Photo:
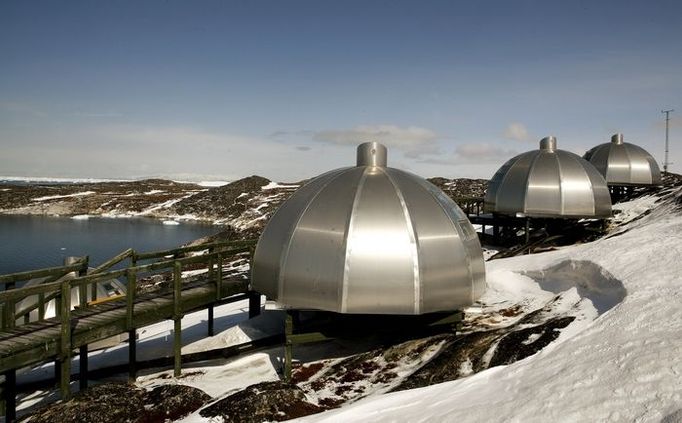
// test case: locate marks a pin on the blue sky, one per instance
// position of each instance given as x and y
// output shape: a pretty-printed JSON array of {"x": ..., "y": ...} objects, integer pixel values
[{"x": 286, "y": 89}]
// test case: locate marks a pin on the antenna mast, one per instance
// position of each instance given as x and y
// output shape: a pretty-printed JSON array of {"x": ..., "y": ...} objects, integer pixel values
[{"x": 667, "y": 125}]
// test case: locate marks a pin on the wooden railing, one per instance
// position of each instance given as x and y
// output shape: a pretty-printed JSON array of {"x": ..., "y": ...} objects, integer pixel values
[
  {"x": 52, "y": 287},
  {"x": 58, "y": 286}
]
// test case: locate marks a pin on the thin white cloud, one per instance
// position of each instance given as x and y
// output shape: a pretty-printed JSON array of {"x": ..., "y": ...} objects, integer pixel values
[
  {"x": 21, "y": 109},
  {"x": 517, "y": 131},
  {"x": 414, "y": 141},
  {"x": 473, "y": 153},
  {"x": 97, "y": 114}
]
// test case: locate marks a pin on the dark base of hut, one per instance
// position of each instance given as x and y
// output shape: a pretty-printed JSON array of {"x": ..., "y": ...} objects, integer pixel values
[
  {"x": 304, "y": 327},
  {"x": 517, "y": 235}
]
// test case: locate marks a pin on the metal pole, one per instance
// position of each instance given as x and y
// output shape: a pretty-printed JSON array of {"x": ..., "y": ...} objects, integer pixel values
[{"x": 667, "y": 126}]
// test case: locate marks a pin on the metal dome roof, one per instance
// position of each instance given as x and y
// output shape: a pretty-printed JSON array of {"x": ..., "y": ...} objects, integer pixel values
[
  {"x": 548, "y": 183},
  {"x": 622, "y": 163},
  {"x": 369, "y": 239}
]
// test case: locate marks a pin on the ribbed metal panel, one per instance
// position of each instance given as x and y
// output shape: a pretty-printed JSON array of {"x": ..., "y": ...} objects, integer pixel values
[
  {"x": 622, "y": 163},
  {"x": 370, "y": 240},
  {"x": 548, "y": 183}
]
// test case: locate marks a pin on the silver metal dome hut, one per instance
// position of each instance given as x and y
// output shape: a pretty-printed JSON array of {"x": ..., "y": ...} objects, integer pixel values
[
  {"x": 548, "y": 183},
  {"x": 622, "y": 163},
  {"x": 369, "y": 239}
]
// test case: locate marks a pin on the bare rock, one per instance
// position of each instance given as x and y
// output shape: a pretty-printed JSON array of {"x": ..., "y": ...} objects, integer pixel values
[
  {"x": 267, "y": 401},
  {"x": 122, "y": 402}
]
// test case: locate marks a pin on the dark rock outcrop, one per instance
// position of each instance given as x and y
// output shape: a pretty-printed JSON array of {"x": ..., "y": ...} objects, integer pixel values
[
  {"x": 267, "y": 401},
  {"x": 121, "y": 402}
]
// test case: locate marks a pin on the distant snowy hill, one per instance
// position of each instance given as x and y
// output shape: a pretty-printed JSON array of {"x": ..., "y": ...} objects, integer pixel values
[{"x": 244, "y": 205}]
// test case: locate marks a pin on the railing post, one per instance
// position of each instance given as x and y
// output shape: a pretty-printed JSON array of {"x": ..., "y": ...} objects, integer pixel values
[
  {"x": 65, "y": 350},
  {"x": 41, "y": 306},
  {"x": 210, "y": 264},
  {"x": 219, "y": 278},
  {"x": 177, "y": 318},
  {"x": 83, "y": 350},
  {"x": 131, "y": 290},
  {"x": 8, "y": 320}
]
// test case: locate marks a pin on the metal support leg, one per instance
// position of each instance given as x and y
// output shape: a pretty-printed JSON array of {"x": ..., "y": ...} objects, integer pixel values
[
  {"x": 83, "y": 368},
  {"x": 527, "y": 230},
  {"x": 132, "y": 355},
  {"x": 57, "y": 372},
  {"x": 10, "y": 395},
  {"x": 177, "y": 347},
  {"x": 254, "y": 304},
  {"x": 288, "y": 331},
  {"x": 211, "y": 331}
]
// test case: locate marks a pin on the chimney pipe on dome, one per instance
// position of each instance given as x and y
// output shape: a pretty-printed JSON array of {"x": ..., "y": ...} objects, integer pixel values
[
  {"x": 372, "y": 154},
  {"x": 617, "y": 138},
  {"x": 548, "y": 144}
]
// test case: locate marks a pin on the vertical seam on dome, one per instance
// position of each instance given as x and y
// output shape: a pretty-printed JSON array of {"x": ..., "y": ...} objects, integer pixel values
[
  {"x": 285, "y": 251},
  {"x": 349, "y": 233},
  {"x": 414, "y": 243},
  {"x": 528, "y": 175},
  {"x": 631, "y": 176},
  {"x": 462, "y": 238},
  {"x": 562, "y": 207},
  {"x": 576, "y": 159}
]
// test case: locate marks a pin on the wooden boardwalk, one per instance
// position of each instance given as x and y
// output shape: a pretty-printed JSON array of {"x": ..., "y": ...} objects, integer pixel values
[{"x": 56, "y": 338}]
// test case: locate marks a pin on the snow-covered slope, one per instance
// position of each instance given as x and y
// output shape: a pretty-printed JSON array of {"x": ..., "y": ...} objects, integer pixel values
[{"x": 626, "y": 365}]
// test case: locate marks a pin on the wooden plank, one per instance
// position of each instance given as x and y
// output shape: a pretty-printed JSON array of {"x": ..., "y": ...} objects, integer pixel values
[{"x": 106, "y": 300}]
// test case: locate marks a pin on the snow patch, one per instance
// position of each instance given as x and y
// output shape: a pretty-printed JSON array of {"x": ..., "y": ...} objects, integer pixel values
[
  {"x": 273, "y": 185},
  {"x": 54, "y": 197},
  {"x": 81, "y": 217}
]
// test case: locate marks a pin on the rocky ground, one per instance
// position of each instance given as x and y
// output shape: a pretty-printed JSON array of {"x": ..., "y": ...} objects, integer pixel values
[{"x": 122, "y": 402}]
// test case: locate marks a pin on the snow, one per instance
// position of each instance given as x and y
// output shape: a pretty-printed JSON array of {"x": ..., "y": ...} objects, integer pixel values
[
  {"x": 165, "y": 204},
  {"x": 54, "y": 197},
  {"x": 212, "y": 184},
  {"x": 273, "y": 185},
  {"x": 58, "y": 180},
  {"x": 154, "y": 191},
  {"x": 81, "y": 217}
]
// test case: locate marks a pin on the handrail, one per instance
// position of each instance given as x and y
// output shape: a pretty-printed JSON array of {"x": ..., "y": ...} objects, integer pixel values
[
  {"x": 199, "y": 247},
  {"x": 114, "y": 260},
  {"x": 41, "y": 273},
  {"x": 20, "y": 293}
]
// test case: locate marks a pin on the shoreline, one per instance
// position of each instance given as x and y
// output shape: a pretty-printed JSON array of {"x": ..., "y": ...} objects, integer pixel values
[{"x": 178, "y": 219}]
